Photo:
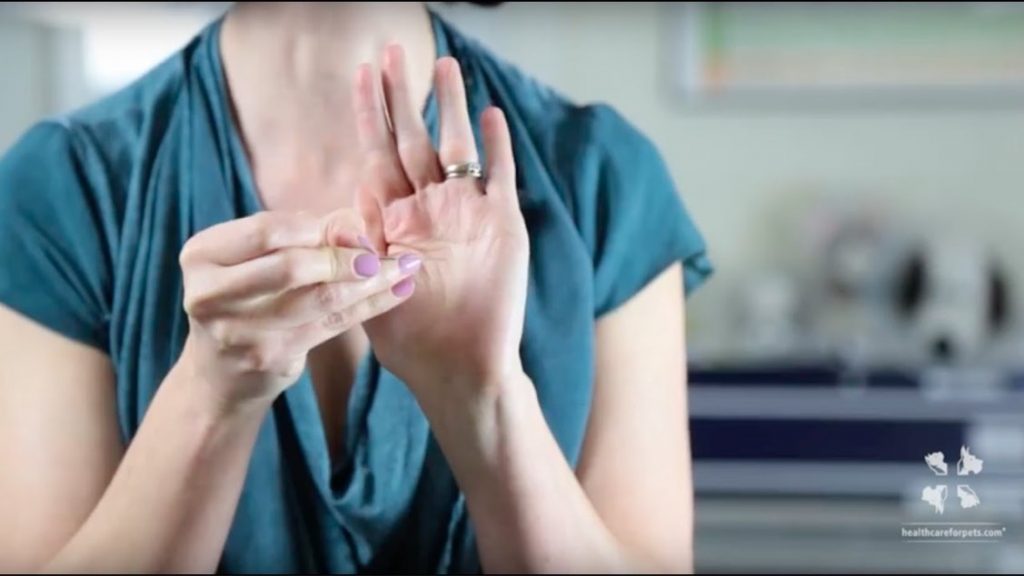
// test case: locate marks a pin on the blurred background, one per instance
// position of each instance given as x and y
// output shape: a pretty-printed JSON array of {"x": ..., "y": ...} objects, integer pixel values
[{"x": 858, "y": 172}]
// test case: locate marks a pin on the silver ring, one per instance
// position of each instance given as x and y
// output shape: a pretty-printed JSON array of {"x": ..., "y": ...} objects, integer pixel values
[{"x": 463, "y": 170}]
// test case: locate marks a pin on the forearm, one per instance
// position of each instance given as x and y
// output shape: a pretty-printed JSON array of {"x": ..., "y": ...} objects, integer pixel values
[
  {"x": 170, "y": 504},
  {"x": 528, "y": 509}
]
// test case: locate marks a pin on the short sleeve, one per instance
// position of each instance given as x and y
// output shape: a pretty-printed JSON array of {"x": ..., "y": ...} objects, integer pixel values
[
  {"x": 54, "y": 245},
  {"x": 630, "y": 212}
]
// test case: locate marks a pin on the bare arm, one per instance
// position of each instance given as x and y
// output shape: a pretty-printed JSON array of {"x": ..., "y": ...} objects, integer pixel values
[
  {"x": 456, "y": 345},
  {"x": 636, "y": 463},
  {"x": 169, "y": 503},
  {"x": 59, "y": 443},
  {"x": 630, "y": 507}
]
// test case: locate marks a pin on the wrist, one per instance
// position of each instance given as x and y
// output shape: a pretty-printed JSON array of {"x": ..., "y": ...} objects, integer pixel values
[
  {"x": 210, "y": 400},
  {"x": 476, "y": 429},
  {"x": 457, "y": 398}
]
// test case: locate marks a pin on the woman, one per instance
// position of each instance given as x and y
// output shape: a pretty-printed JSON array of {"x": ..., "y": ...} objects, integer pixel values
[{"x": 253, "y": 321}]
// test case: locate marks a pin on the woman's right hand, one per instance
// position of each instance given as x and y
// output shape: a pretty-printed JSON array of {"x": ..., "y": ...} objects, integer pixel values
[{"x": 261, "y": 292}]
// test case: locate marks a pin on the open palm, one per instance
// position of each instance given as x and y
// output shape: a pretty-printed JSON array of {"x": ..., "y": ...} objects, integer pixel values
[{"x": 464, "y": 322}]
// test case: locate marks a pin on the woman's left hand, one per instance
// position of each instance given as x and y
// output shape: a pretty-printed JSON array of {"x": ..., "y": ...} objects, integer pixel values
[{"x": 460, "y": 331}]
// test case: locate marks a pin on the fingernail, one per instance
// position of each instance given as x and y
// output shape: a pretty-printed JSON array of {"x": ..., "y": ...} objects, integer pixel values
[
  {"x": 366, "y": 265},
  {"x": 403, "y": 288},
  {"x": 409, "y": 262},
  {"x": 365, "y": 243}
]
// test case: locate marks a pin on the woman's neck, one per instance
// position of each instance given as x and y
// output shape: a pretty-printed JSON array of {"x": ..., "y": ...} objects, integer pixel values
[{"x": 289, "y": 69}]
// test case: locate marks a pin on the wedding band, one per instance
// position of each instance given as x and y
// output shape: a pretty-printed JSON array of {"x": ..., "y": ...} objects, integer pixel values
[{"x": 463, "y": 170}]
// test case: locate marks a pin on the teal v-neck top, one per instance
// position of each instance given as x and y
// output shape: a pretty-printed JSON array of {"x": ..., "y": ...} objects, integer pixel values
[{"x": 96, "y": 205}]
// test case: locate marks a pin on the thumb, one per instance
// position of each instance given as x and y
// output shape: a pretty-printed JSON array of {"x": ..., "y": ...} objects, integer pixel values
[
  {"x": 370, "y": 211},
  {"x": 344, "y": 228}
]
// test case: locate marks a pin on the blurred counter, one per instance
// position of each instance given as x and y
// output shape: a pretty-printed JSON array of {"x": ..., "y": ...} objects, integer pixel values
[{"x": 809, "y": 468}]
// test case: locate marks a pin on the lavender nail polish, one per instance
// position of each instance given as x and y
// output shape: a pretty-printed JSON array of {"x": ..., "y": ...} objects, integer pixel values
[
  {"x": 409, "y": 262},
  {"x": 403, "y": 288},
  {"x": 366, "y": 265}
]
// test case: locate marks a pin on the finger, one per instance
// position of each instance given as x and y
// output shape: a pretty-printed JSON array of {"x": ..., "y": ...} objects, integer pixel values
[
  {"x": 312, "y": 334},
  {"x": 312, "y": 302},
  {"x": 297, "y": 267},
  {"x": 501, "y": 167},
  {"x": 254, "y": 236},
  {"x": 348, "y": 228},
  {"x": 457, "y": 144},
  {"x": 234, "y": 289},
  {"x": 372, "y": 211},
  {"x": 383, "y": 165},
  {"x": 415, "y": 150}
]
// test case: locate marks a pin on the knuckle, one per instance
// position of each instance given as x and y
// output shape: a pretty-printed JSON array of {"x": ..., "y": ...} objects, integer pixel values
[
  {"x": 197, "y": 304},
  {"x": 223, "y": 334},
  {"x": 289, "y": 269},
  {"x": 258, "y": 358},
  {"x": 263, "y": 234},
  {"x": 294, "y": 369},
  {"x": 328, "y": 296},
  {"x": 187, "y": 256},
  {"x": 337, "y": 320},
  {"x": 269, "y": 356},
  {"x": 194, "y": 305}
]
